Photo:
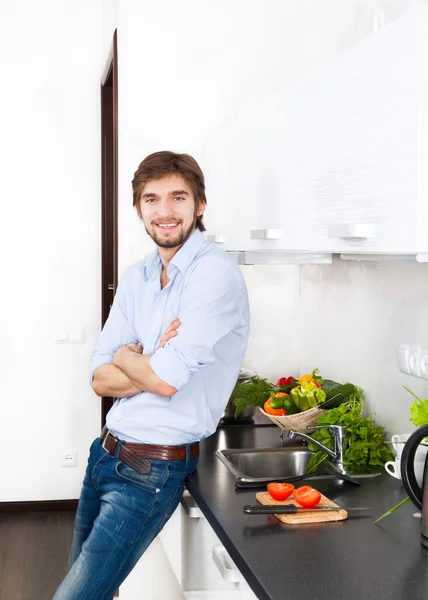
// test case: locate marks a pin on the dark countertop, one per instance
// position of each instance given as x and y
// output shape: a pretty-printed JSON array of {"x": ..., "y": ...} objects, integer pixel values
[{"x": 352, "y": 559}]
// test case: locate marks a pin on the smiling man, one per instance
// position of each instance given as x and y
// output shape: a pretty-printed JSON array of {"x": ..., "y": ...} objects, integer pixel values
[{"x": 170, "y": 353}]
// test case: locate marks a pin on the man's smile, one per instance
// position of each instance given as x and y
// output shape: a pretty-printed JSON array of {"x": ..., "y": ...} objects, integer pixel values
[{"x": 167, "y": 226}]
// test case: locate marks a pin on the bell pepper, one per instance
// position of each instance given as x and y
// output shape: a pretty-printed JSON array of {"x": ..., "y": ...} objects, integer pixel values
[
  {"x": 277, "y": 400},
  {"x": 290, "y": 406},
  {"x": 285, "y": 381},
  {"x": 307, "y": 396},
  {"x": 302, "y": 399},
  {"x": 312, "y": 377}
]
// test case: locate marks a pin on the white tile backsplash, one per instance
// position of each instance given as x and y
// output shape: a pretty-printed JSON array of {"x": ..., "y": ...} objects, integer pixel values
[{"x": 347, "y": 319}]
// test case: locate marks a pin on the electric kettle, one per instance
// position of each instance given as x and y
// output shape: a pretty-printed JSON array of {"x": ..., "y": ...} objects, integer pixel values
[{"x": 418, "y": 496}]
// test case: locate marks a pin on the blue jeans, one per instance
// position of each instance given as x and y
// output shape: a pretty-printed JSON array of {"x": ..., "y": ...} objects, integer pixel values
[{"x": 119, "y": 514}]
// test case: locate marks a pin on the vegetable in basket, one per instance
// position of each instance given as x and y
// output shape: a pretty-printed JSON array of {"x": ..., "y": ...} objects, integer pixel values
[
  {"x": 308, "y": 395},
  {"x": 280, "y": 402},
  {"x": 312, "y": 377}
]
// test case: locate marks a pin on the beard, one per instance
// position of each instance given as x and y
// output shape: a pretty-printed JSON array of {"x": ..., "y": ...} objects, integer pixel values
[{"x": 178, "y": 239}]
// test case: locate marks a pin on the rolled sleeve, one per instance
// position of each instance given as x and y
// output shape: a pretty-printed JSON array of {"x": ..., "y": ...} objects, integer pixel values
[
  {"x": 116, "y": 332},
  {"x": 98, "y": 359},
  {"x": 170, "y": 367}
]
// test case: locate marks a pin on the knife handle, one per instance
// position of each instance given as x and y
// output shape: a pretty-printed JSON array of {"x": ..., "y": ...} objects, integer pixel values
[{"x": 288, "y": 509}]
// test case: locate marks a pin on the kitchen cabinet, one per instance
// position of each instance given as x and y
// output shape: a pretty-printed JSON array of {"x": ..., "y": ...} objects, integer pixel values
[
  {"x": 200, "y": 562},
  {"x": 337, "y": 163}
]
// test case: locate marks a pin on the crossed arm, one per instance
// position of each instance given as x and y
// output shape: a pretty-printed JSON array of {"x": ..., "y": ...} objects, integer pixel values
[{"x": 131, "y": 373}]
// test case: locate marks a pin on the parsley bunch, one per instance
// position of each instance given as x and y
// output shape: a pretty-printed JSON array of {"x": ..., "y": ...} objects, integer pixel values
[
  {"x": 255, "y": 392},
  {"x": 365, "y": 441}
]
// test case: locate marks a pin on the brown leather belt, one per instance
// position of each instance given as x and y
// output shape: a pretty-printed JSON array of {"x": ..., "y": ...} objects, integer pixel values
[{"x": 137, "y": 455}]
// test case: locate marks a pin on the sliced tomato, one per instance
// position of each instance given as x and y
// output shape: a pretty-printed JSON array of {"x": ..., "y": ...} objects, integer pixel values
[
  {"x": 280, "y": 491},
  {"x": 307, "y": 496}
]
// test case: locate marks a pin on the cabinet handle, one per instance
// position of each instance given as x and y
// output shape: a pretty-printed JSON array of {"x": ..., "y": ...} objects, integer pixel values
[
  {"x": 352, "y": 231},
  {"x": 191, "y": 509},
  {"x": 220, "y": 238},
  {"x": 228, "y": 570},
  {"x": 266, "y": 234}
]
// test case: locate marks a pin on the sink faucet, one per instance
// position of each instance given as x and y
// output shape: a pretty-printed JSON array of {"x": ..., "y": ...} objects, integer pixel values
[{"x": 339, "y": 441}]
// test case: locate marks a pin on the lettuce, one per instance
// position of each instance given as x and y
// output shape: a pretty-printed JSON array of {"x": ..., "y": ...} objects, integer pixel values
[{"x": 418, "y": 410}]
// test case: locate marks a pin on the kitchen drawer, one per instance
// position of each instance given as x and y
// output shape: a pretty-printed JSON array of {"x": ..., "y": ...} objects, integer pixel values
[{"x": 207, "y": 571}]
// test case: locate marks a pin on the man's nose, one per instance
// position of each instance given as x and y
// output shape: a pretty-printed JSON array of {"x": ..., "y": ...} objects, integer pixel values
[{"x": 165, "y": 207}]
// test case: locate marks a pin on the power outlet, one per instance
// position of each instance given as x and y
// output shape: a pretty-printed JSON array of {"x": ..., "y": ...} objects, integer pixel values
[
  {"x": 415, "y": 362},
  {"x": 403, "y": 353},
  {"x": 69, "y": 458},
  {"x": 424, "y": 364}
]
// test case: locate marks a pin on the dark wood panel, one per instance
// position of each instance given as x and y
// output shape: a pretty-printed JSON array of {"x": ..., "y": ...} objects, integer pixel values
[
  {"x": 109, "y": 183},
  {"x": 38, "y": 506},
  {"x": 34, "y": 552}
]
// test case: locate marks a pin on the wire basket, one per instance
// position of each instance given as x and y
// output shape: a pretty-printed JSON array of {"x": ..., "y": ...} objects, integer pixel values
[{"x": 298, "y": 422}]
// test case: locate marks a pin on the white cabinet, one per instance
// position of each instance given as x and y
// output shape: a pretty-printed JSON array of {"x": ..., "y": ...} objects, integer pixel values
[
  {"x": 337, "y": 163},
  {"x": 356, "y": 140},
  {"x": 244, "y": 194},
  {"x": 201, "y": 564}
]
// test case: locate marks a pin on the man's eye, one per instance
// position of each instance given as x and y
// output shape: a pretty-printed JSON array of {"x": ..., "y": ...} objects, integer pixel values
[
  {"x": 151, "y": 200},
  {"x": 179, "y": 198}
]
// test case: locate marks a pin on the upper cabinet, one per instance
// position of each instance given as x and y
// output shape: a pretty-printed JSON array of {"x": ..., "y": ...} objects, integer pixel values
[{"x": 338, "y": 162}]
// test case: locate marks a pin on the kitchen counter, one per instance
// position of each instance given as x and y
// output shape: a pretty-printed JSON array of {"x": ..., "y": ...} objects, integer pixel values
[{"x": 352, "y": 559}]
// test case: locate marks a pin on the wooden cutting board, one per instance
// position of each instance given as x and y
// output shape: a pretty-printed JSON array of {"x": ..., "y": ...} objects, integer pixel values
[{"x": 307, "y": 516}]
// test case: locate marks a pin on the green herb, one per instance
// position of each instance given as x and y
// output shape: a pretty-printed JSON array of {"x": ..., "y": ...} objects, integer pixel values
[
  {"x": 253, "y": 392},
  {"x": 418, "y": 410},
  {"x": 391, "y": 510},
  {"x": 365, "y": 444},
  {"x": 419, "y": 417}
]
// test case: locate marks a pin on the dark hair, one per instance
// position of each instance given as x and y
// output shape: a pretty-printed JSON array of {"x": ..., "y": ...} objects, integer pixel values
[{"x": 161, "y": 164}]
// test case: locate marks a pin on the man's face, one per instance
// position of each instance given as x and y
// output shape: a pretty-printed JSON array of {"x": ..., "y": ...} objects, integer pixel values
[{"x": 168, "y": 209}]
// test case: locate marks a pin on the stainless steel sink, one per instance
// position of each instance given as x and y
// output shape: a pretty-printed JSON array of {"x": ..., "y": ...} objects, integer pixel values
[{"x": 264, "y": 464}]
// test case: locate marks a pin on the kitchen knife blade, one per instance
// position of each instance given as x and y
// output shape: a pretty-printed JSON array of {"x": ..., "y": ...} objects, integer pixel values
[{"x": 291, "y": 509}]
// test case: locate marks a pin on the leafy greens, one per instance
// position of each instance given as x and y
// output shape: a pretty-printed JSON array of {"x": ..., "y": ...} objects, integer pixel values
[
  {"x": 255, "y": 392},
  {"x": 365, "y": 443}
]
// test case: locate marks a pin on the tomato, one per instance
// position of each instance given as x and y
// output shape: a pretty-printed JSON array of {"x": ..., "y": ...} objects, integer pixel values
[
  {"x": 280, "y": 491},
  {"x": 307, "y": 496},
  {"x": 278, "y": 412}
]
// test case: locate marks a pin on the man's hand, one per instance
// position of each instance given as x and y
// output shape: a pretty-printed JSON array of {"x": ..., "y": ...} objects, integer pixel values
[
  {"x": 136, "y": 366},
  {"x": 170, "y": 332}
]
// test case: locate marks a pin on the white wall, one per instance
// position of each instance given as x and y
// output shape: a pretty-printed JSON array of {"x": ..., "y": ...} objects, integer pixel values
[{"x": 52, "y": 55}]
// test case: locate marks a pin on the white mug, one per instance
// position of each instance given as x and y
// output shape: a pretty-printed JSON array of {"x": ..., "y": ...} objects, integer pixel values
[
  {"x": 398, "y": 441},
  {"x": 393, "y": 467}
]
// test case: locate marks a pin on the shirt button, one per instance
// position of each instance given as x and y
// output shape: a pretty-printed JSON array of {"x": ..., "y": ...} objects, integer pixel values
[{"x": 158, "y": 313}]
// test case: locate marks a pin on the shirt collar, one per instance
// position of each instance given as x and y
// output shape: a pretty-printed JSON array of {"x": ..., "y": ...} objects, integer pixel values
[{"x": 182, "y": 259}]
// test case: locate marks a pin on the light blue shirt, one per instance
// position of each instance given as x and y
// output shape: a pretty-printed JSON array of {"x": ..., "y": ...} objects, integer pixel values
[{"x": 207, "y": 292}]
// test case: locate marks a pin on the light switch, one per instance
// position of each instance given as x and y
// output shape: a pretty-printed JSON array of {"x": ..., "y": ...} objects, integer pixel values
[
  {"x": 403, "y": 353},
  {"x": 415, "y": 362},
  {"x": 62, "y": 335},
  {"x": 77, "y": 335}
]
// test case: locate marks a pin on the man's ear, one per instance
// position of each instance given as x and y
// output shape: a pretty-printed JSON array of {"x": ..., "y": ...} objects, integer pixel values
[
  {"x": 138, "y": 209},
  {"x": 201, "y": 209}
]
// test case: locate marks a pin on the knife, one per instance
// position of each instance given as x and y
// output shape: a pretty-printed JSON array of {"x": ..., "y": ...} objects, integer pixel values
[{"x": 291, "y": 509}]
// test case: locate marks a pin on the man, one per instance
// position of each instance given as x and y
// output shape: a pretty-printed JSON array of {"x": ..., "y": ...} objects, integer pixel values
[{"x": 170, "y": 353}]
